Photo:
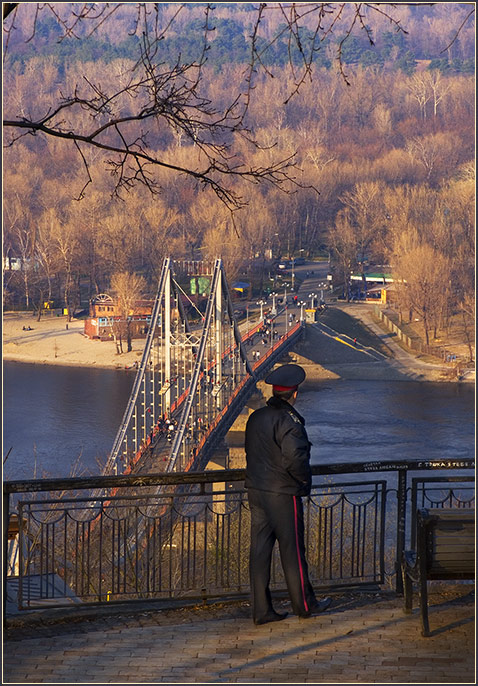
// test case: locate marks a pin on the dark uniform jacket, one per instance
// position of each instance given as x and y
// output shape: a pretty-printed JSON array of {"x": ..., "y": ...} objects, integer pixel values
[{"x": 278, "y": 450}]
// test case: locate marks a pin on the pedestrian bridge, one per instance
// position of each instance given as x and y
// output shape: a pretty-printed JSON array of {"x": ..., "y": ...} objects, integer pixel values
[
  {"x": 195, "y": 376},
  {"x": 186, "y": 536}
]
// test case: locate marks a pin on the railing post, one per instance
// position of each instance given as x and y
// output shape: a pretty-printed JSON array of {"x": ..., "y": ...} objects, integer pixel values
[
  {"x": 6, "y": 518},
  {"x": 401, "y": 522}
]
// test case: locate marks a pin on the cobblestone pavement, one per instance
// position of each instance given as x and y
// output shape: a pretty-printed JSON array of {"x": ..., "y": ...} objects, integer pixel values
[{"x": 362, "y": 638}]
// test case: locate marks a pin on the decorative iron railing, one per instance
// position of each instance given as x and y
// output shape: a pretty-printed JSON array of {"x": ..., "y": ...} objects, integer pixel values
[{"x": 187, "y": 535}]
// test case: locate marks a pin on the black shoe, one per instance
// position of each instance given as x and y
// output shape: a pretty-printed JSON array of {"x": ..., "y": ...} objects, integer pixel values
[
  {"x": 317, "y": 607},
  {"x": 271, "y": 617}
]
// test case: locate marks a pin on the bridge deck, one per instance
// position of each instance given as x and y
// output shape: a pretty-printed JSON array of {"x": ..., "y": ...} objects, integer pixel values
[{"x": 154, "y": 455}]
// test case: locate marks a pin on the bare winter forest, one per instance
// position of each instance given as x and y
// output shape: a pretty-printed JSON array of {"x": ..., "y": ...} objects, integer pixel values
[{"x": 214, "y": 134}]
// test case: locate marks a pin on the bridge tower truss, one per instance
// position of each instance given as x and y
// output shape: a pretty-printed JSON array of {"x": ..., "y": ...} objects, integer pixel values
[{"x": 189, "y": 374}]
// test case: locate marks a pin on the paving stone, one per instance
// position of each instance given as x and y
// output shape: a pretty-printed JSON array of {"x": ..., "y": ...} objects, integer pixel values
[{"x": 362, "y": 643}]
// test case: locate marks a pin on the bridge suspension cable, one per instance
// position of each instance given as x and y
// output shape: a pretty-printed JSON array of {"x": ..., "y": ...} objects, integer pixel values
[{"x": 193, "y": 379}]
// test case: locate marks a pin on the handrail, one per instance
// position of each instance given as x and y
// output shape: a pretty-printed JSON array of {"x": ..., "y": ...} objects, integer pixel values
[
  {"x": 87, "y": 482},
  {"x": 254, "y": 370},
  {"x": 259, "y": 366},
  {"x": 399, "y": 468}
]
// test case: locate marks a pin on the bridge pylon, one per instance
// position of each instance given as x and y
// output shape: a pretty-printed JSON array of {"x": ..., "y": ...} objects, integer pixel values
[{"x": 190, "y": 373}]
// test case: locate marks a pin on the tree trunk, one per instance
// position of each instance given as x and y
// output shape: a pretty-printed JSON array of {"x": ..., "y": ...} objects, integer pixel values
[
  {"x": 425, "y": 328},
  {"x": 27, "y": 291},
  {"x": 40, "y": 309},
  {"x": 128, "y": 337},
  {"x": 261, "y": 285},
  {"x": 467, "y": 335}
]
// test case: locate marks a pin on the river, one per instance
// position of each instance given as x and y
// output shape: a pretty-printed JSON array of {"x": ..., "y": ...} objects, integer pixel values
[{"x": 61, "y": 421}]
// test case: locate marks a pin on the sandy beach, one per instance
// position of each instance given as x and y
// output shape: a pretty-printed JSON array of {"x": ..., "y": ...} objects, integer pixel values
[
  {"x": 51, "y": 342},
  {"x": 55, "y": 341}
]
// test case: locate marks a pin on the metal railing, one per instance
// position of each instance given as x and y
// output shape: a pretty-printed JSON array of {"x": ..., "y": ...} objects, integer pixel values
[
  {"x": 188, "y": 382},
  {"x": 187, "y": 535}
]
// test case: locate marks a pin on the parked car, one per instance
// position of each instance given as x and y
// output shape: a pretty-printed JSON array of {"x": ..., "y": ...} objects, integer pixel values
[{"x": 285, "y": 264}]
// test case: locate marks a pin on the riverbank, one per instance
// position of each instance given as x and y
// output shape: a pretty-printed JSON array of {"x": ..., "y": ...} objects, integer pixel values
[
  {"x": 55, "y": 341},
  {"x": 348, "y": 343}
]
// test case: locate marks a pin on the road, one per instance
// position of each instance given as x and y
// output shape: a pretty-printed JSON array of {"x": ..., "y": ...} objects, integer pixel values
[{"x": 346, "y": 334}]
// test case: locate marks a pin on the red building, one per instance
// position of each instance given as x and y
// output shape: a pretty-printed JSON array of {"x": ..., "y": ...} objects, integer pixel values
[{"x": 104, "y": 316}]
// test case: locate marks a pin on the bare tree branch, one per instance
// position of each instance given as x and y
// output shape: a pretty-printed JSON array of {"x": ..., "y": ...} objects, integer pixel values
[
  {"x": 171, "y": 98},
  {"x": 457, "y": 32}
]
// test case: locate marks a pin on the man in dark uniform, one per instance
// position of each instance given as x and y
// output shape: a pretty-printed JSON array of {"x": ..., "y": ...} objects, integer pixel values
[{"x": 278, "y": 474}]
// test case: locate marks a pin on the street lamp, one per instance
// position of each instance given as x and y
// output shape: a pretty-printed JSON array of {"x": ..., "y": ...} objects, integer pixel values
[
  {"x": 261, "y": 303},
  {"x": 302, "y": 303},
  {"x": 274, "y": 308},
  {"x": 322, "y": 286},
  {"x": 312, "y": 297}
]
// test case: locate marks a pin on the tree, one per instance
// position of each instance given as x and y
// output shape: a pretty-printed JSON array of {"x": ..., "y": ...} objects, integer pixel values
[
  {"x": 439, "y": 89},
  {"x": 119, "y": 241},
  {"x": 157, "y": 224},
  {"x": 361, "y": 100},
  {"x": 422, "y": 274},
  {"x": 407, "y": 63},
  {"x": 468, "y": 313},
  {"x": 220, "y": 240},
  {"x": 435, "y": 152},
  {"x": 426, "y": 87},
  {"x": 367, "y": 216},
  {"x": 127, "y": 289},
  {"x": 89, "y": 218},
  {"x": 65, "y": 241},
  {"x": 45, "y": 252},
  {"x": 256, "y": 229},
  {"x": 342, "y": 240},
  {"x": 22, "y": 239},
  {"x": 335, "y": 157},
  {"x": 122, "y": 116},
  {"x": 419, "y": 90}
]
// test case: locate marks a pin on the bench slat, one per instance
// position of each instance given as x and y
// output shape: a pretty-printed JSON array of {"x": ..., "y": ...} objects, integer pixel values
[
  {"x": 451, "y": 553},
  {"x": 453, "y": 547},
  {"x": 468, "y": 564},
  {"x": 445, "y": 550},
  {"x": 462, "y": 514}
]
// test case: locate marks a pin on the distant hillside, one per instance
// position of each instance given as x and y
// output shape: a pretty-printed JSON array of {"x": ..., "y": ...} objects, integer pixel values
[{"x": 431, "y": 39}]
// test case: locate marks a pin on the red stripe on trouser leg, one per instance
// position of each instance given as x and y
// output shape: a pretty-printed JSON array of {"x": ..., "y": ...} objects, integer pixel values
[{"x": 301, "y": 571}]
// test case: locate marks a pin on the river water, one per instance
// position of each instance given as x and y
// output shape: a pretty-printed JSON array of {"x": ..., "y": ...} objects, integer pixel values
[{"x": 61, "y": 421}]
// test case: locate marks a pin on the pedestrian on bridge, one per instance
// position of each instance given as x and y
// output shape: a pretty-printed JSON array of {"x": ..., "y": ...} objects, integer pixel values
[{"x": 278, "y": 474}]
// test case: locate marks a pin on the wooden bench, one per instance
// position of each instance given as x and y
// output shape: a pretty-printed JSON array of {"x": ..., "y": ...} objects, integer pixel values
[
  {"x": 445, "y": 550},
  {"x": 13, "y": 527}
]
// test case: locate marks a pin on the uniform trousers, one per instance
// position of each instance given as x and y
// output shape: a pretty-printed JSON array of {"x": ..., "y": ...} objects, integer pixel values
[{"x": 278, "y": 517}]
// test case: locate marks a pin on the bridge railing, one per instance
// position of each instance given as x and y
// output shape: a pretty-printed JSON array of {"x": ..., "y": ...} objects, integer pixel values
[
  {"x": 190, "y": 537},
  {"x": 218, "y": 425}
]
